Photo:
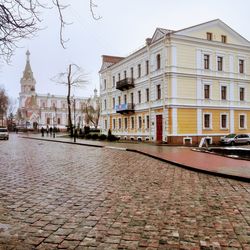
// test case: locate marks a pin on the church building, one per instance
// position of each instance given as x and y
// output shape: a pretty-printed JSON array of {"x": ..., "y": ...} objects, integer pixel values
[{"x": 47, "y": 110}]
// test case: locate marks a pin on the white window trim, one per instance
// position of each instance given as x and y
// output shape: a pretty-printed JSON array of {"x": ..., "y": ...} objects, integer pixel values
[
  {"x": 138, "y": 122},
  {"x": 210, "y": 83},
  {"x": 210, "y": 121},
  {"x": 223, "y": 62},
  {"x": 244, "y": 87},
  {"x": 227, "y": 123},
  {"x": 241, "y": 57},
  {"x": 210, "y": 53},
  {"x": 245, "y": 121},
  {"x": 222, "y": 84}
]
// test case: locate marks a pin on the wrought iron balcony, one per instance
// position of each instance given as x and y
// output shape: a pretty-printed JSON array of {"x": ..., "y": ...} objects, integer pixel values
[
  {"x": 125, "y": 108},
  {"x": 125, "y": 84}
]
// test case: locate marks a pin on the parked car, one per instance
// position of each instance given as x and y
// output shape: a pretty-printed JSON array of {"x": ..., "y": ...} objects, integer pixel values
[
  {"x": 4, "y": 134},
  {"x": 233, "y": 139}
]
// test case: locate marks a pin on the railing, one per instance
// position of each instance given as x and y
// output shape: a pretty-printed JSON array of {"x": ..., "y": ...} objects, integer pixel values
[
  {"x": 125, "y": 108},
  {"x": 125, "y": 84}
]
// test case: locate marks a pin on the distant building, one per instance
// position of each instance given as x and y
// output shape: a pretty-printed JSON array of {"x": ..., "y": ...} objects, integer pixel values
[
  {"x": 42, "y": 110},
  {"x": 181, "y": 86}
]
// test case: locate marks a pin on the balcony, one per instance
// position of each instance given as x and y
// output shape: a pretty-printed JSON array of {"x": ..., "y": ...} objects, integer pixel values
[
  {"x": 125, "y": 84},
  {"x": 125, "y": 108}
]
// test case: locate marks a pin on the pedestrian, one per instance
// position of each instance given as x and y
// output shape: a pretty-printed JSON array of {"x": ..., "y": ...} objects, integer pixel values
[
  {"x": 50, "y": 131},
  {"x": 42, "y": 131},
  {"x": 47, "y": 130}
]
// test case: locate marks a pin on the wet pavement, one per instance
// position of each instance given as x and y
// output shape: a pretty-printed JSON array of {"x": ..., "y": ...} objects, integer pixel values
[
  {"x": 181, "y": 156},
  {"x": 65, "y": 196}
]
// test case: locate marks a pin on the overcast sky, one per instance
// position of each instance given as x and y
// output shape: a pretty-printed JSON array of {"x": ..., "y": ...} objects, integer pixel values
[{"x": 123, "y": 28}]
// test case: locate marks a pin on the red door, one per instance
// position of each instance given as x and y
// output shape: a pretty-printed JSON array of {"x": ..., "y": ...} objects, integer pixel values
[{"x": 159, "y": 127}]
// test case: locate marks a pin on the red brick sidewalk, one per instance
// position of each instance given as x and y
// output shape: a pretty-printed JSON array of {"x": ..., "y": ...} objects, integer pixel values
[{"x": 181, "y": 156}]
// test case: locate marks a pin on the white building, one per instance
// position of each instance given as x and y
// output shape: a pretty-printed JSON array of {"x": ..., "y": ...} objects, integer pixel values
[{"x": 47, "y": 110}]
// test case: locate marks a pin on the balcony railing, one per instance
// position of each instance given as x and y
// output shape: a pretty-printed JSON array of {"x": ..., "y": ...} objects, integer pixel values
[
  {"x": 125, "y": 108},
  {"x": 125, "y": 84}
]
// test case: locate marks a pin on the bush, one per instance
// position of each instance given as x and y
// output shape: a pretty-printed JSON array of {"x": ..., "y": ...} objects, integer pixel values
[
  {"x": 86, "y": 130},
  {"x": 102, "y": 137},
  {"x": 95, "y": 136},
  {"x": 113, "y": 138},
  {"x": 88, "y": 136}
]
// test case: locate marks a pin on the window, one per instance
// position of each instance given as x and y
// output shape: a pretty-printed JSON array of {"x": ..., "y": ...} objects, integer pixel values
[
  {"x": 132, "y": 98},
  {"x": 139, "y": 70},
  {"x": 223, "y": 39},
  {"x": 48, "y": 120},
  {"x": 125, "y": 99},
  {"x": 132, "y": 122},
  {"x": 223, "y": 121},
  {"x": 206, "y": 91},
  {"x": 206, "y": 61},
  {"x": 119, "y": 100},
  {"x": 113, "y": 81},
  {"x": 223, "y": 92},
  {"x": 147, "y": 121},
  {"x": 139, "y": 96},
  {"x": 158, "y": 93},
  {"x": 132, "y": 72},
  {"x": 120, "y": 123},
  {"x": 147, "y": 94},
  {"x": 105, "y": 84},
  {"x": 63, "y": 105},
  {"x": 242, "y": 94},
  {"x": 139, "y": 122},
  {"x": 158, "y": 59},
  {"x": 119, "y": 77},
  {"x": 209, "y": 36},
  {"x": 113, "y": 123},
  {"x": 44, "y": 105},
  {"x": 113, "y": 102},
  {"x": 125, "y": 74},
  {"x": 126, "y": 123},
  {"x": 241, "y": 66},
  {"x": 147, "y": 67},
  {"x": 58, "y": 121},
  {"x": 219, "y": 63},
  {"x": 242, "y": 121},
  {"x": 207, "y": 121},
  {"x": 105, "y": 124},
  {"x": 105, "y": 104}
]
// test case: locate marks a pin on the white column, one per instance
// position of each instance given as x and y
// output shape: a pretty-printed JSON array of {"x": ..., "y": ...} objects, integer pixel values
[
  {"x": 199, "y": 121},
  {"x": 231, "y": 65},
  {"x": 198, "y": 60},
  {"x": 174, "y": 121},
  {"x": 231, "y": 121},
  {"x": 199, "y": 91},
  {"x": 231, "y": 91},
  {"x": 174, "y": 58},
  {"x": 174, "y": 89}
]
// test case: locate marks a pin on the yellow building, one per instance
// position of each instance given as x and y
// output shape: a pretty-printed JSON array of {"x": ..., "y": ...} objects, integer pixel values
[{"x": 181, "y": 86}]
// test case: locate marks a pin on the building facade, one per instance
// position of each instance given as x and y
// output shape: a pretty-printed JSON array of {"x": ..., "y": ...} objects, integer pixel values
[
  {"x": 181, "y": 86},
  {"x": 48, "y": 110}
]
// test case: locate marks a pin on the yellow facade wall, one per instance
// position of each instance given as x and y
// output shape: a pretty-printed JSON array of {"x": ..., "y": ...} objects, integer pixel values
[
  {"x": 186, "y": 88},
  {"x": 186, "y": 56},
  {"x": 237, "y": 121},
  {"x": 187, "y": 121},
  {"x": 216, "y": 121}
]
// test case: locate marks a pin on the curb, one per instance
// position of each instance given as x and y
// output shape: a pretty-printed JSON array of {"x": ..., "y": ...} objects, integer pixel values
[{"x": 234, "y": 177}]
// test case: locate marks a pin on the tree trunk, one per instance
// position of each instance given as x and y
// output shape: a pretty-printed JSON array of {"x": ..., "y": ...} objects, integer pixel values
[{"x": 69, "y": 103}]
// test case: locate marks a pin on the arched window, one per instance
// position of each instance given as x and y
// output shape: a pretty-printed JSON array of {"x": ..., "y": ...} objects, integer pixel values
[
  {"x": 58, "y": 121},
  {"x": 48, "y": 120},
  {"x": 158, "y": 58}
]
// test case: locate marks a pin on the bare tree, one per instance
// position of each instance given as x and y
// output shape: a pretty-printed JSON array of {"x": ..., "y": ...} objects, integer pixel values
[
  {"x": 92, "y": 111},
  {"x": 73, "y": 77},
  {"x": 19, "y": 19},
  {"x": 4, "y": 101}
]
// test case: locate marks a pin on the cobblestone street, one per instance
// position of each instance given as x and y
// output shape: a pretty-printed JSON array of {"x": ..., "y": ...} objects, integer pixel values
[{"x": 62, "y": 196}]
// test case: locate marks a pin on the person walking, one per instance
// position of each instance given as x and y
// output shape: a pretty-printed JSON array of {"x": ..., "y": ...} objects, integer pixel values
[{"x": 42, "y": 131}]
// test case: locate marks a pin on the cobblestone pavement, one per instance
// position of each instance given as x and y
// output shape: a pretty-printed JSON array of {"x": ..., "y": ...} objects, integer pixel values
[{"x": 62, "y": 196}]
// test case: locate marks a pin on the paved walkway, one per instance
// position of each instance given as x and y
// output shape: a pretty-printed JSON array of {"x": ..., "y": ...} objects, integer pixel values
[
  {"x": 63, "y": 196},
  {"x": 181, "y": 156}
]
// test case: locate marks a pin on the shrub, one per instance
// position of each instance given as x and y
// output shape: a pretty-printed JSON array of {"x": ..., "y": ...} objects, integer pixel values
[
  {"x": 102, "y": 137},
  {"x": 95, "y": 136},
  {"x": 88, "y": 136},
  {"x": 113, "y": 138}
]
